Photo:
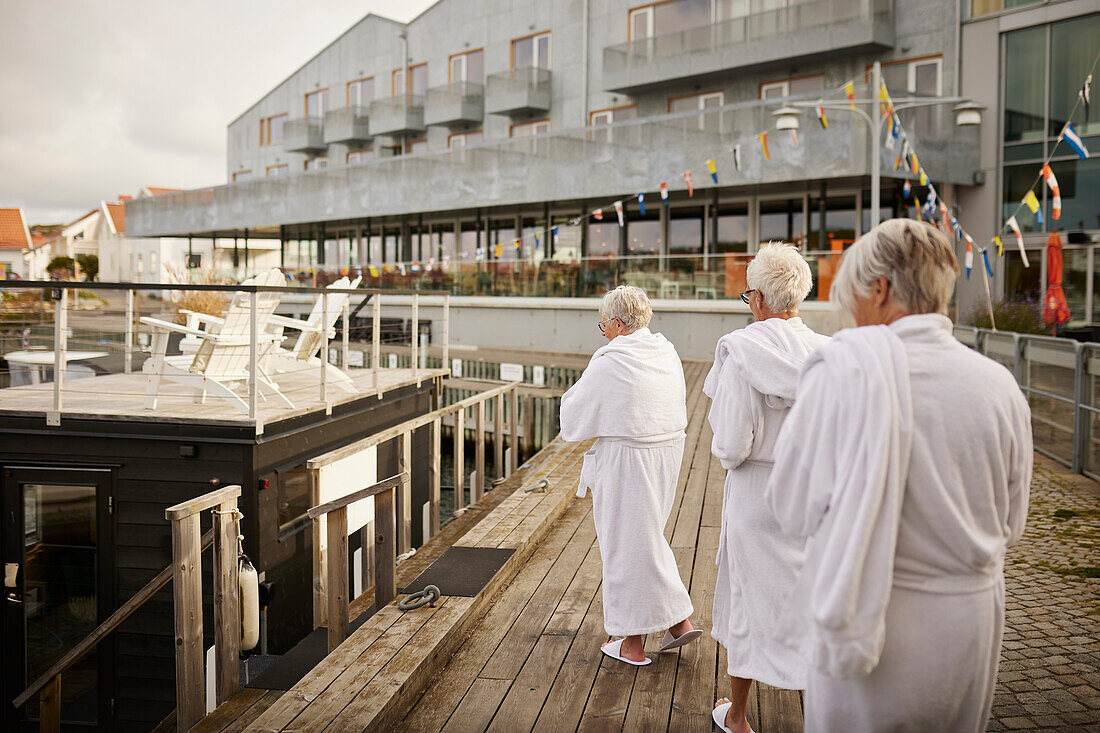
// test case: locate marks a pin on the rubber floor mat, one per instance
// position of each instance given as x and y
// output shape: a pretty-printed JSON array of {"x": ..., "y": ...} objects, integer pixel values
[{"x": 461, "y": 571}]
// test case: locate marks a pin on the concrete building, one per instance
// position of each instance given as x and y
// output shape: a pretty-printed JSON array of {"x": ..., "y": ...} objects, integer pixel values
[{"x": 425, "y": 150}]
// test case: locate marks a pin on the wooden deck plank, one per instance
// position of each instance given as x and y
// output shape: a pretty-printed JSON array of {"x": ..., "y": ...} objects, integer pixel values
[
  {"x": 780, "y": 710},
  {"x": 478, "y": 706},
  {"x": 270, "y": 698},
  {"x": 450, "y": 684},
  {"x": 229, "y": 711}
]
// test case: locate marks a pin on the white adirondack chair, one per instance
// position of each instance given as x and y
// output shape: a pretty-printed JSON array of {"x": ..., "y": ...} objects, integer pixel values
[
  {"x": 306, "y": 349},
  {"x": 224, "y": 352}
]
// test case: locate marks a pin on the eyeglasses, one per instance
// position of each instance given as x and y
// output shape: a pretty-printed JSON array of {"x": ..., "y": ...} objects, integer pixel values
[
  {"x": 745, "y": 296},
  {"x": 600, "y": 325}
]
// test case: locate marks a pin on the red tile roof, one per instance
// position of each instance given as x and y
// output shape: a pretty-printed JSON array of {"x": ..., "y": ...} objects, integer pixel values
[
  {"x": 13, "y": 230},
  {"x": 157, "y": 191},
  {"x": 118, "y": 216}
]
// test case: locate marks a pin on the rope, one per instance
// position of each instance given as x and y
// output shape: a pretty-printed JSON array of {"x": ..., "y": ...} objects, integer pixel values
[{"x": 426, "y": 597}]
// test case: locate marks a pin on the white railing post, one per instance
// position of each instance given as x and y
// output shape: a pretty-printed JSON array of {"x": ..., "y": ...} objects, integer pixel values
[
  {"x": 127, "y": 364},
  {"x": 60, "y": 346},
  {"x": 376, "y": 342},
  {"x": 414, "y": 337},
  {"x": 346, "y": 335},
  {"x": 447, "y": 331},
  {"x": 253, "y": 322},
  {"x": 324, "y": 348}
]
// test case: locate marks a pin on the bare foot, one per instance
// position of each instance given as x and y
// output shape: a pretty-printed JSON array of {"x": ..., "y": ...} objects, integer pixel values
[
  {"x": 737, "y": 726},
  {"x": 633, "y": 648},
  {"x": 678, "y": 630}
]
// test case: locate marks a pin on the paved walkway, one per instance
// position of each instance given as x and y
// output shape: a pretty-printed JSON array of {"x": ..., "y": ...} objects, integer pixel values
[{"x": 1050, "y": 660}]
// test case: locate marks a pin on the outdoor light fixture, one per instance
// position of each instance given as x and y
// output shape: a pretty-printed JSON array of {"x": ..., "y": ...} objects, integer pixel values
[
  {"x": 968, "y": 113},
  {"x": 786, "y": 118}
]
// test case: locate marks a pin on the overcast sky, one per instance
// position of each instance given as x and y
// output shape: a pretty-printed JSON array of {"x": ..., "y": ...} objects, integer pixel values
[{"x": 100, "y": 98}]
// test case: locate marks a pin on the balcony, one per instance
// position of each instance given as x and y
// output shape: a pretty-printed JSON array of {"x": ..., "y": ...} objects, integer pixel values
[
  {"x": 798, "y": 31},
  {"x": 397, "y": 115},
  {"x": 518, "y": 91},
  {"x": 456, "y": 103},
  {"x": 349, "y": 125},
  {"x": 304, "y": 135}
]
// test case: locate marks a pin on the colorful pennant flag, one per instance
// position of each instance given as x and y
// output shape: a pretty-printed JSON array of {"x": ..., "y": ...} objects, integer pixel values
[
  {"x": 446, "y": 263},
  {"x": 554, "y": 231},
  {"x": 1011, "y": 224},
  {"x": 1084, "y": 93},
  {"x": 712, "y": 169},
  {"x": 536, "y": 241},
  {"x": 969, "y": 257},
  {"x": 915, "y": 164},
  {"x": 415, "y": 267},
  {"x": 517, "y": 245},
  {"x": 1055, "y": 192},
  {"x": 884, "y": 99},
  {"x": 897, "y": 163},
  {"x": 401, "y": 268},
  {"x": 1031, "y": 201},
  {"x": 821, "y": 117},
  {"x": 664, "y": 193},
  {"x": 641, "y": 203},
  {"x": 498, "y": 251},
  {"x": 431, "y": 263},
  {"x": 737, "y": 157},
  {"x": 480, "y": 254},
  {"x": 687, "y": 180},
  {"x": 619, "y": 212},
  {"x": 794, "y": 137},
  {"x": 1074, "y": 141},
  {"x": 906, "y": 189},
  {"x": 764, "y": 144},
  {"x": 999, "y": 245},
  {"x": 985, "y": 259},
  {"x": 923, "y": 178},
  {"x": 850, "y": 93},
  {"x": 373, "y": 271},
  {"x": 598, "y": 214}
]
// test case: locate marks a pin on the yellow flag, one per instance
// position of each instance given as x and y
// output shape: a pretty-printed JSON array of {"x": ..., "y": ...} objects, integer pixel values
[
  {"x": 373, "y": 271},
  {"x": 850, "y": 93},
  {"x": 1000, "y": 245},
  {"x": 499, "y": 251},
  {"x": 1031, "y": 201},
  {"x": 923, "y": 178}
]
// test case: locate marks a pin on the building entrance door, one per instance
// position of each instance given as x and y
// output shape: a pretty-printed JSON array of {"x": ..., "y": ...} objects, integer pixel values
[{"x": 56, "y": 532}]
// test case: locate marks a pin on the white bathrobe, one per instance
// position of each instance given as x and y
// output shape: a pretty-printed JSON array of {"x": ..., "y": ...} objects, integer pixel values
[
  {"x": 907, "y": 461},
  {"x": 752, "y": 387},
  {"x": 632, "y": 397}
]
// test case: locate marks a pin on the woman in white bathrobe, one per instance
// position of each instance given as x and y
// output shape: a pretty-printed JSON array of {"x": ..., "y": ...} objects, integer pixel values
[
  {"x": 632, "y": 397},
  {"x": 907, "y": 461},
  {"x": 752, "y": 387}
]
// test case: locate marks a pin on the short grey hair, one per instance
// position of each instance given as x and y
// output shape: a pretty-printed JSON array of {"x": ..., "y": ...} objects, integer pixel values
[
  {"x": 781, "y": 275},
  {"x": 917, "y": 259},
  {"x": 629, "y": 304}
]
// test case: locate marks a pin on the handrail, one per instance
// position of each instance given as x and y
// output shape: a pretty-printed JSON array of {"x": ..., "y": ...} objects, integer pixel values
[
  {"x": 383, "y": 485},
  {"x": 412, "y": 424},
  {"x": 112, "y": 622},
  {"x": 202, "y": 503},
  {"x": 73, "y": 285}
]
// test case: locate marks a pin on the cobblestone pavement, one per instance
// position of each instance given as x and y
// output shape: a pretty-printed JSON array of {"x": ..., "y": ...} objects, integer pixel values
[{"x": 1050, "y": 661}]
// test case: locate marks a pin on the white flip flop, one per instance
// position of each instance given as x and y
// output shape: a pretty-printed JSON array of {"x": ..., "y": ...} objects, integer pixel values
[
  {"x": 719, "y": 715},
  {"x": 614, "y": 650},
  {"x": 675, "y": 642}
]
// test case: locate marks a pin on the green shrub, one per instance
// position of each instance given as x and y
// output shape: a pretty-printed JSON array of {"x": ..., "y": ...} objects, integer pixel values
[{"x": 1019, "y": 314}]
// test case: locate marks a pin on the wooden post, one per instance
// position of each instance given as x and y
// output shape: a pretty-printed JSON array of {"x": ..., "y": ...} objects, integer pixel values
[
  {"x": 187, "y": 598},
  {"x": 498, "y": 438},
  {"x": 385, "y": 551},
  {"x": 227, "y": 610},
  {"x": 414, "y": 338},
  {"x": 316, "y": 530},
  {"x": 477, "y": 490},
  {"x": 529, "y": 425},
  {"x": 460, "y": 458},
  {"x": 435, "y": 477},
  {"x": 404, "y": 498},
  {"x": 324, "y": 348},
  {"x": 513, "y": 422},
  {"x": 49, "y": 707},
  {"x": 447, "y": 331},
  {"x": 345, "y": 334},
  {"x": 337, "y": 577}
]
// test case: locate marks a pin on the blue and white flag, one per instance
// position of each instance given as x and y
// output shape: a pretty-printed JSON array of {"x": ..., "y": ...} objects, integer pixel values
[
  {"x": 641, "y": 203},
  {"x": 1074, "y": 141}
]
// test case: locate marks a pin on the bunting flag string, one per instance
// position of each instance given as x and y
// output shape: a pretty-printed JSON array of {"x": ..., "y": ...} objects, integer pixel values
[
  {"x": 641, "y": 202},
  {"x": 737, "y": 157},
  {"x": 1055, "y": 192},
  {"x": 619, "y": 212},
  {"x": 664, "y": 193},
  {"x": 1074, "y": 141},
  {"x": 999, "y": 245},
  {"x": 969, "y": 257},
  {"x": 822, "y": 118},
  {"x": 985, "y": 259},
  {"x": 712, "y": 169},
  {"x": 764, "y": 145},
  {"x": 1083, "y": 94},
  {"x": 850, "y": 93},
  {"x": 687, "y": 180},
  {"x": 598, "y": 214},
  {"x": 1031, "y": 201},
  {"x": 1015, "y": 227}
]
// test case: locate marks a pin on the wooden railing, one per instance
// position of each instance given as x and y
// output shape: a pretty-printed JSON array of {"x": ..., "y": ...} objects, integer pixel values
[
  {"x": 385, "y": 551},
  {"x": 383, "y": 564},
  {"x": 187, "y": 601}
]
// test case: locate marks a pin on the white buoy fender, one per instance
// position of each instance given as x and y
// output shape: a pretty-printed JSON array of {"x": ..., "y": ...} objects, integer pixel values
[{"x": 250, "y": 604}]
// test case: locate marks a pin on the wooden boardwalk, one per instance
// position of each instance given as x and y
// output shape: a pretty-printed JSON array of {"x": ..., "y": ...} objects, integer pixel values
[{"x": 534, "y": 660}]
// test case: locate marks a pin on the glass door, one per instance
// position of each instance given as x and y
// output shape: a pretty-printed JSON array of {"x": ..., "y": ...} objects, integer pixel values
[{"x": 56, "y": 554}]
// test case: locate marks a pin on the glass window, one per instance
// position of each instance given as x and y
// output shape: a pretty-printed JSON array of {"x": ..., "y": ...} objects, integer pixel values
[
  {"x": 790, "y": 87},
  {"x": 242, "y": 176},
  {"x": 278, "y": 170},
  {"x": 781, "y": 221},
  {"x": 916, "y": 76},
  {"x": 271, "y": 129},
  {"x": 361, "y": 92},
  {"x": 1073, "y": 46},
  {"x": 685, "y": 231},
  {"x": 1025, "y": 71},
  {"x": 469, "y": 243},
  {"x": 503, "y": 233},
  {"x": 832, "y": 223},
  {"x": 603, "y": 238},
  {"x": 317, "y": 103},
  {"x": 733, "y": 229},
  {"x": 360, "y": 156},
  {"x": 462, "y": 139},
  {"x": 526, "y": 129},
  {"x": 643, "y": 236},
  {"x": 603, "y": 117},
  {"x": 316, "y": 164},
  {"x": 293, "y": 494},
  {"x": 418, "y": 80},
  {"x": 1079, "y": 184},
  {"x": 1017, "y": 182},
  {"x": 531, "y": 51},
  {"x": 680, "y": 15},
  {"x": 1074, "y": 275},
  {"x": 641, "y": 23},
  {"x": 468, "y": 67},
  {"x": 417, "y": 146}
]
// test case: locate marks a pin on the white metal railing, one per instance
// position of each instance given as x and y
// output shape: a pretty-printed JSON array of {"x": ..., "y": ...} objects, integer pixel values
[{"x": 1060, "y": 377}]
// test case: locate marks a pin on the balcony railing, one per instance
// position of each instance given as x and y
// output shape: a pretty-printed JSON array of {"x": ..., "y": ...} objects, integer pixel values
[
  {"x": 518, "y": 91},
  {"x": 768, "y": 36},
  {"x": 347, "y": 125},
  {"x": 304, "y": 135},
  {"x": 396, "y": 115},
  {"x": 456, "y": 103}
]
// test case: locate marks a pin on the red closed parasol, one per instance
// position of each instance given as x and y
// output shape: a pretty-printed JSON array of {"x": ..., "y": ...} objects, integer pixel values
[{"x": 1055, "y": 307}]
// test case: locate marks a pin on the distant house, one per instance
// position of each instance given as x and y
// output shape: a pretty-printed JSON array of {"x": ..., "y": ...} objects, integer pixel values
[{"x": 15, "y": 241}]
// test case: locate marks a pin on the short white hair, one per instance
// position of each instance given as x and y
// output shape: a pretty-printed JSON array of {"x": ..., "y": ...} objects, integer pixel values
[
  {"x": 629, "y": 304},
  {"x": 915, "y": 257},
  {"x": 781, "y": 275}
]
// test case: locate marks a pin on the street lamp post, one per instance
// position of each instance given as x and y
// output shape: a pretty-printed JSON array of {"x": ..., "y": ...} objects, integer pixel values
[{"x": 967, "y": 113}]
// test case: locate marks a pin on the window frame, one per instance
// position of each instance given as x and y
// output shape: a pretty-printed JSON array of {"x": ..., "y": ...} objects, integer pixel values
[
  {"x": 305, "y": 101},
  {"x": 534, "y": 50},
  {"x": 465, "y": 65},
  {"x": 607, "y": 110},
  {"x": 360, "y": 151},
  {"x": 417, "y": 141},
  {"x": 512, "y": 128},
  {"x": 463, "y": 135},
  {"x": 787, "y": 84},
  {"x": 307, "y": 161},
  {"x": 701, "y": 96},
  {"x": 265, "y": 130},
  {"x": 408, "y": 81},
  {"x": 910, "y": 72},
  {"x": 347, "y": 90},
  {"x": 277, "y": 166},
  {"x": 649, "y": 12},
  {"x": 247, "y": 172}
]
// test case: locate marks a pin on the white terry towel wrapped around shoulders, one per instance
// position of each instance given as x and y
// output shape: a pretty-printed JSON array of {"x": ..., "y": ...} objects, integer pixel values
[
  {"x": 846, "y": 443},
  {"x": 633, "y": 388}
]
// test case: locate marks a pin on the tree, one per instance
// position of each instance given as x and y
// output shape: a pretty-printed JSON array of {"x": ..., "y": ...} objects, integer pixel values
[
  {"x": 89, "y": 265},
  {"x": 61, "y": 267}
]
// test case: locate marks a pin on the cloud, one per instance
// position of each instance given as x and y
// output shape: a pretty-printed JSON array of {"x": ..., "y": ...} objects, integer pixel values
[{"x": 99, "y": 99}]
